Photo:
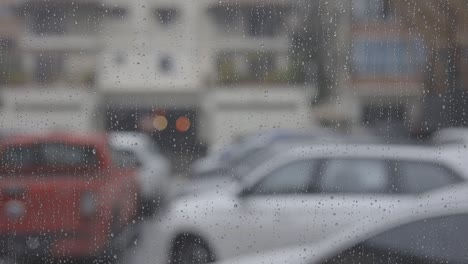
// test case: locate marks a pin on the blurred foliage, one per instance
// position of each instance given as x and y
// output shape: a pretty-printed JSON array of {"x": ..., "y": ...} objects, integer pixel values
[
  {"x": 260, "y": 68},
  {"x": 227, "y": 71},
  {"x": 15, "y": 78},
  {"x": 89, "y": 78},
  {"x": 10, "y": 70}
]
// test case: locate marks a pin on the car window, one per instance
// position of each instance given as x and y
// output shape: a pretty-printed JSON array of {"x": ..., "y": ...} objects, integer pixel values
[
  {"x": 429, "y": 241},
  {"x": 292, "y": 178},
  {"x": 59, "y": 154},
  {"x": 355, "y": 176},
  {"x": 252, "y": 160},
  {"x": 50, "y": 154},
  {"x": 417, "y": 177},
  {"x": 20, "y": 156}
]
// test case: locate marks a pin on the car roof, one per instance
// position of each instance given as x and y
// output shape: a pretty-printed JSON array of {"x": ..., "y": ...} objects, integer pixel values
[
  {"x": 381, "y": 151},
  {"x": 288, "y": 152}
]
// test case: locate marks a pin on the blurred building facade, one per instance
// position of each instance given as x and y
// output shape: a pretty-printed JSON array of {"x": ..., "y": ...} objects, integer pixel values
[
  {"x": 369, "y": 66},
  {"x": 443, "y": 27},
  {"x": 10, "y": 65},
  {"x": 162, "y": 58},
  {"x": 59, "y": 40},
  {"x": 365, "y": 56},
  {"x": 179, "y": 45}
]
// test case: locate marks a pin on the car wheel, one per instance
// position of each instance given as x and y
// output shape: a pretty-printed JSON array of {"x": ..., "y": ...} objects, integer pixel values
[{"x": 191, "y": 250}]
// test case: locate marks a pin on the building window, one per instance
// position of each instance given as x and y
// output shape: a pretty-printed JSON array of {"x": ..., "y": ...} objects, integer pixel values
[
  {"x": 119, "y": 58},
  {"x": 264, "y": 21},
  {"x": 385, "y": 58},
  {"x": 49, "y": 67},
  {"x": 166, "y": 16},
  {"x": 228, "y": 19},
  {"x": 48, "y": 21},
  {"x": 117, "y": 12},
  {"x": 261, "y": 64},
  {"x": 165, "y": 64},
  {"x": 372, "y": 9}
]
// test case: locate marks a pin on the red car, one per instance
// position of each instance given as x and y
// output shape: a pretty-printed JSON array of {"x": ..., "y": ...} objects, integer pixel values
[{"x": 63, "y": 196}]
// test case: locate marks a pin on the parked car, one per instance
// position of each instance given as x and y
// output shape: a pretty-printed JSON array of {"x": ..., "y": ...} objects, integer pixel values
[
  {"x": 63, "y": 196},
  {"x": 302, "y": 195},
  {"x": 434, "y": 234},
  {"x": 246, "y": 144},
  {"x": 249, "y": 151},
  {"x": 154, "y": 169},
  {"x": 221, "y": 169}
]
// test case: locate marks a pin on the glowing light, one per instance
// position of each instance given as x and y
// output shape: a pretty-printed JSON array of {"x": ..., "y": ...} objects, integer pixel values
[
  {"x": 183, "y": 124},
  {"x": 160, "y": 123}
]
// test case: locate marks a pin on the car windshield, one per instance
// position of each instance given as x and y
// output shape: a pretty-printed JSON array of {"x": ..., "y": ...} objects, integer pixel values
[{"x": 197, "y": 131}]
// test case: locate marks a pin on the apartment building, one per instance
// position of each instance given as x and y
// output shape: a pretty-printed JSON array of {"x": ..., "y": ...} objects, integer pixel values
[
  {"x": 185, "y": 45},
  {"x": 161, "y": 58}
]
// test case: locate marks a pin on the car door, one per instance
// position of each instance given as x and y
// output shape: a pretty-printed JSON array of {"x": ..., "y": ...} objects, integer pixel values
[
  {"x": 264, "y": 205},
  {"x": 351, "y": 189}
]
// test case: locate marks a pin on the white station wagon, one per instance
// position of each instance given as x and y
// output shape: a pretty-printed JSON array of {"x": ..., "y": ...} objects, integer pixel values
[{"x": 303, "y": 194}]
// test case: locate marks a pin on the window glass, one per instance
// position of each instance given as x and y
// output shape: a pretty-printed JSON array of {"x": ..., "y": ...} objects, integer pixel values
[
  {"x": 58, "y": 154},
  {"x": 166, "y": 16},
  {"x": 382, "y": 58},
  {"x": 355, "y": 176},
  {"x": 50, "y": 154},
  {"x": 431, "y": 241},
  {"x": 292, "y": 178},
  {"x": 20, "y": 156},
  {"x": 199, "y": 96},
  {"x": 417, "y": 177}
]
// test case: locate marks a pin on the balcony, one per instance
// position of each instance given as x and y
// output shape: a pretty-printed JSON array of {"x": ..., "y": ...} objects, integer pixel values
[
  {"x": 273, "y": 44},
  {"x": 59, "y": 42}
]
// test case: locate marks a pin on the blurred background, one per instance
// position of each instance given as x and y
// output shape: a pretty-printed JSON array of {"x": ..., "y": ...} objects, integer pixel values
[
  {"x": 198, "y": 77},
  {"x": 193, "y": 74}
]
